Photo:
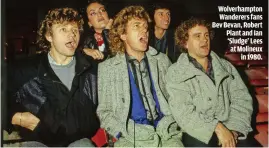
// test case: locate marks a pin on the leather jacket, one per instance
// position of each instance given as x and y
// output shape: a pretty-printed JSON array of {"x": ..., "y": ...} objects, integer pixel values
[{"x": 65, "y": 115}]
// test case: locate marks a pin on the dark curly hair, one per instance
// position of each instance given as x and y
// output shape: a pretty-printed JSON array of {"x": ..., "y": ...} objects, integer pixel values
[
  {"x": 120, "y": 23},
  {"x": 56, "y": 16},
  {"x": 181, "y": 33}
]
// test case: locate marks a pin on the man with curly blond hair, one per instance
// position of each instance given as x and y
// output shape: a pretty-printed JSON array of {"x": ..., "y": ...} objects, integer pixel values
[
  {"x": 131, "y": 91},
  {"x": 54, "y": 96},
  {"x": 207, "y": 96}
]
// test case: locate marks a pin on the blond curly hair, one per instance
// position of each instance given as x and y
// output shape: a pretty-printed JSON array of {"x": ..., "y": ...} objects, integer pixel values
[
  {"x": 118, "y": 28},
  {"x": 182, "y": 35},
  {"x": 56, "y": 16}
]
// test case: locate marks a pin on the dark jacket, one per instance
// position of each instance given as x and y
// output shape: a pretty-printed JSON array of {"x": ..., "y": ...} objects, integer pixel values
[
  {"x": 65, "y": 116},
  {"x": 88, "y": 41},
  {"x": 173, "y": 50}
]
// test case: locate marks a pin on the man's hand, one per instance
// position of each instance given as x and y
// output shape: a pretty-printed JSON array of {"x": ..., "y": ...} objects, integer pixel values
[
  {"x": 109, "y": 24},
  {"x": 225, "y": 136},
  {"x": 26, "y": 120},
  {"x": 235, "y": 133},
  {"x": 94, "y": 53}
]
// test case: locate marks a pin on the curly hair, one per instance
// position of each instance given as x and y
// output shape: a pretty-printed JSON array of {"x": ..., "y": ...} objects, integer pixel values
[
  {"x": 56, "y": 16},
  {"x": 120, "y": 23},
  {"x": 182, "y": 35}
]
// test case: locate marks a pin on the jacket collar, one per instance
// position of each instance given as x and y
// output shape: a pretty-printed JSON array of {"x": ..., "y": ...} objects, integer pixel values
[
  {"x": 150, "y": 53},
  {"x": 45, "y": 70},
  {"x": 188, "y": 70},
  {"x": 152, "y": 61}
]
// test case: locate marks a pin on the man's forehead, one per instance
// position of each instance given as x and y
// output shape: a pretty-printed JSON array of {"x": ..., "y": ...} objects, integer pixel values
[
  {"x": 137, "y": 20},
  {"x": 65, "y": 24},
  {"x": 162, "y": 10},
  {"x": 198, "y": 29}
]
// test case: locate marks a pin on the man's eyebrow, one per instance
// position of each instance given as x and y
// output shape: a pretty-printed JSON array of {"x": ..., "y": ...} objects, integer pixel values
[
  {"x": 62, "y": 25},
  {"x": 196, "y": 33},
  {"x": 199, "y": 33},
  {"x": 136, "y": 23}
]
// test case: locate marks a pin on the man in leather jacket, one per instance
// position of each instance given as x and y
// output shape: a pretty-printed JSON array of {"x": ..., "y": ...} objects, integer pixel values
[{"x": 54, "y": 96}]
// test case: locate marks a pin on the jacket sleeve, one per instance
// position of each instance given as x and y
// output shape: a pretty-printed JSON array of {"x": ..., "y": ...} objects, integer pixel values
[
  {"x": 241, "y": 105},
  {"x": 112, "y": 123},
  {"x": 108, "y": 121},
  {"x": 18, "y": 73},
  {"x": 184, "y": 111}
]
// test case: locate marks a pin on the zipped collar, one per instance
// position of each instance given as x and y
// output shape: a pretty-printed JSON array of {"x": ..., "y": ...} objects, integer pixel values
[{"x": 188, "y": 70}]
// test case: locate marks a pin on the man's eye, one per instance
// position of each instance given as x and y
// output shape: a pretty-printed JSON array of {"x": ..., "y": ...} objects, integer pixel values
[
  {"x": 168, "y": 14},
  {"x": 207, "y": 35},
  {"x": 160, "y": 14},
  {"x": 198, "y": 35},
  {"x": 63, "y": 29},
  {"x": 75, "y": 31}
]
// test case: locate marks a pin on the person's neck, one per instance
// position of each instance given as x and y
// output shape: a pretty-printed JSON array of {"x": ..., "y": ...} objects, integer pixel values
[
  {"x": 98, "y": 30},
  {"x": 159, "y": 32},
  {"x": 136, "y": 54},
  {"x": 60, "y": 59},
  {"x": 202, "y": 60}
]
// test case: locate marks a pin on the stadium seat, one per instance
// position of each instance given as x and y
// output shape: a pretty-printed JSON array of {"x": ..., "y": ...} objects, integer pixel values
[{"x": 263, "y": 103}]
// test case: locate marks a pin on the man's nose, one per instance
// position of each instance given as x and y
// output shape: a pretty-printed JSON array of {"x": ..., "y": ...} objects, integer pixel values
[
  {"x": 71, "y": 33},
  {"x": 205, "y": 38},
  {"x": 166, "y": 17},
  {"x": 144, "y": 28}
]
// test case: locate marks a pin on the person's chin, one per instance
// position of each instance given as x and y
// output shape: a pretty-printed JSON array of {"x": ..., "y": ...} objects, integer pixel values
[
  {"x": 144, "y": 48},
  {"x": 165, "y": 27}
]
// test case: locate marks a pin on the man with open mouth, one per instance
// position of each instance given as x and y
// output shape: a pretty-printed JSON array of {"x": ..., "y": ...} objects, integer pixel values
[
  {"x": 131, "y": 92},
  {"x": 54, "y": 96}
]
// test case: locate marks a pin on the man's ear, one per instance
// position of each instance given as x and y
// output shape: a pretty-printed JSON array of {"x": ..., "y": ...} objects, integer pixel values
[
  {"x": 186, "y": 45},
  {"x": 48, "y": 37},
  {"x": 123, "y": 37}
]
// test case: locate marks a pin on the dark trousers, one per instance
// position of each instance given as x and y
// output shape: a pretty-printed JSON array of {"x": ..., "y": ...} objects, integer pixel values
[{"x": 190, "y": 141}]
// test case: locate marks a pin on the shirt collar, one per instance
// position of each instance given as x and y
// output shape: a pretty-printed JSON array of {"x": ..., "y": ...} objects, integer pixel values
[
  {"x": 52, "y": 61},
  {"x": 199, "y": 66}
]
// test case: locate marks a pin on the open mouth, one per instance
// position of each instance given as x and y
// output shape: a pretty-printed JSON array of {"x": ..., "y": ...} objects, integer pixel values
[
  {"x": 143, "y": 39},
  {"x": 166, "y": 22},
  {"x": 70, "y": 44},
  {"x": 204, "y": 46}
]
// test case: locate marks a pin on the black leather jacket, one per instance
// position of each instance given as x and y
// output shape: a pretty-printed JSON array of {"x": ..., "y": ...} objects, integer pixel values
[
  {"x": 65, "y": 116},
  {"x": 88, "y": 41}
]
